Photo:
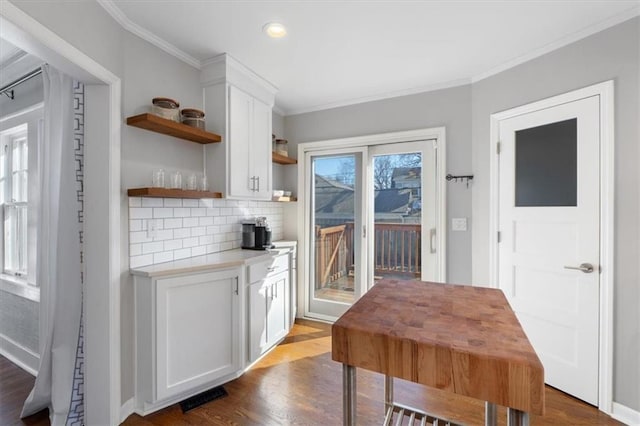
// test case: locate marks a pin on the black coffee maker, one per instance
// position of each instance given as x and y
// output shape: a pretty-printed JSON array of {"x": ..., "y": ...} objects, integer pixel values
[{"x": 256, "y": 234}]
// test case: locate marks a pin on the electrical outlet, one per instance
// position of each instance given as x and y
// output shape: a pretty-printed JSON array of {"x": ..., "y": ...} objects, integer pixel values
[
  {"x": 459, "y": 224},
  {"x": 152, "y": 228}
]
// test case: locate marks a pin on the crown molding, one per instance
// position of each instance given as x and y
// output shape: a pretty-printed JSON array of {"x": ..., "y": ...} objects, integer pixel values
[
  {"x": 147, "y": 35},
  {"x": 381, "y": 96},
  {"x": 564, "y": 41},
  {"x": 226, "y": 58}
]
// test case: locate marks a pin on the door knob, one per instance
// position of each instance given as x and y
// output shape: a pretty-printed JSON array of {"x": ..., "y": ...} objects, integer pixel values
[{"x": 587, "y": 268}]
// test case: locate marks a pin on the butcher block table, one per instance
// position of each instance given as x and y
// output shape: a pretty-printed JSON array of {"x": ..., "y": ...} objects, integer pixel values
[{"x": 461, "y": 339}]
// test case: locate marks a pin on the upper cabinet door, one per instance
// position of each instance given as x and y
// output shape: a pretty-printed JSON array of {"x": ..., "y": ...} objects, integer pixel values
[
  {"x": 260, "y": 155},
  {"x": 240, "y": 175},
  {"x": 249, "y": 168}
]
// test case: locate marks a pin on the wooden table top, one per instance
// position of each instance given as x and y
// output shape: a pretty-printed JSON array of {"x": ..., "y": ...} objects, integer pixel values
[{"x": 462, "y": 339}]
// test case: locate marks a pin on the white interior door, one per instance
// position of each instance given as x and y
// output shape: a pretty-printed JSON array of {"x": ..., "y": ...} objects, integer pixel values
[{"x": 549, "y": 207}]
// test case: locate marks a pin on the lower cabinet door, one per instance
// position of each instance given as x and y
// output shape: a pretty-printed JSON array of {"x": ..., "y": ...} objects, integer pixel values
[
  {"x": 197, "y": 330},
  {"x": 259, "y": 293},
  {"x": 268, "y": 313},
  {"x": 278, "y": 308}
]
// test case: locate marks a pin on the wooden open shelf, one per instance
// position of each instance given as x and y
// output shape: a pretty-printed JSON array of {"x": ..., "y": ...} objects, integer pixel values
[
  {"x": 172, "y": 128},
  {"x": 171, "y": 193},
  {"x": 281, "y": 159}
]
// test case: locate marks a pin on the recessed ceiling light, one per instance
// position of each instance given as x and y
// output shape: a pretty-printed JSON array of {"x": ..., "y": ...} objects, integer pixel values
[{"x": 275, "y": 30}]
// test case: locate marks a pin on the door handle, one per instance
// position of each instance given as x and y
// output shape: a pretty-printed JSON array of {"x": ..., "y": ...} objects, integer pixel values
[
  {"x": 587, "y": 268},
  {"x": 432, "y": 234},
  {"x": 258, "y": 179},
  {"x": 253, "y": 183}
]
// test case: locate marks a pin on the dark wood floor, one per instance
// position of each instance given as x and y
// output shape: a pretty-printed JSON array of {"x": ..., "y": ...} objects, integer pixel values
[
  {"x": 299, "y": 384},
  {"x": 15, "y": 385}
]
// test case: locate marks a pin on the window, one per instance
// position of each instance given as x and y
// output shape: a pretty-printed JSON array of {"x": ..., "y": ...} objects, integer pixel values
[
  {"x": 18, "y": 162},
  {"x": 14, "y": 175}
]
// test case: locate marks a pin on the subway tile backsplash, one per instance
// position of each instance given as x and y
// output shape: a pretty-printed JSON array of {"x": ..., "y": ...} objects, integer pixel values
[{"x": 166, "y": 229}]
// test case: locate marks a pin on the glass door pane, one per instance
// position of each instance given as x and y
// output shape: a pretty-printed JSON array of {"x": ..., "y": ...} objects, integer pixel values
[
  {"x": 402, "y": 188},
  {"x": 335, "y": 243},
  {"x": 397, "y": 180}
]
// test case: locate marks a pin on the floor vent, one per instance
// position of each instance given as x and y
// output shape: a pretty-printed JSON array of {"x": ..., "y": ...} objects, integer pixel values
[{"x": 202, "y": 398}]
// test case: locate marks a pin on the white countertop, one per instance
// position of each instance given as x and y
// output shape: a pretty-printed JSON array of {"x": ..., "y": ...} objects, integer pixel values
[{"x": 220, "y": 260}]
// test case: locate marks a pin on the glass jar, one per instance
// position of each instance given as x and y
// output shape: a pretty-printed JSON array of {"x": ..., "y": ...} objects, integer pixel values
[
  {"x": 193, "y": 117},
  {"x": 281, "y": 147},
  {"x": 166, "y": 108}
]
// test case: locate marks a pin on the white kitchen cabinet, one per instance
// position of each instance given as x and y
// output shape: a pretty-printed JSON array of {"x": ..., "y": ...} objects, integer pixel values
[
  {"x": 188, "y": 335},
  {"x": 293, "y": 278},
  {"x": 250, "y": 146},
  {"x": 268, "y": 305},
  {"x": 238, "y": 105}
]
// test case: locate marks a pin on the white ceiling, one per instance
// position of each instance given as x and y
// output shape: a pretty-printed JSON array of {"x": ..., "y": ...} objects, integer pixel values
[
  {"x": 342, "y": 52},
  {"x": 14, "y": 62},
  {"x": 8, "y": 52}
]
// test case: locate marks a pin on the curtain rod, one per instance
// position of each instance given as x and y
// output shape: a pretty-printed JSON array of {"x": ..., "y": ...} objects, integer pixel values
[{"x": 6, "y": 90}]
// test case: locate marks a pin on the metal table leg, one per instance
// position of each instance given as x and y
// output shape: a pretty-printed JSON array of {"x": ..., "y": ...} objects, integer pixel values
[
  {"x": 388, "y": 393},
  {"x": 490, "y": 414},
  {"x": 517, "y": 417},
  {"x": 388, "y": 400},
  {"x": 348, "y": 395}
]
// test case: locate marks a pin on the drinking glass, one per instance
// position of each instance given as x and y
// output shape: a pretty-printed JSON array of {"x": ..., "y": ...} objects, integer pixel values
[
  {"x": 203, "y": 184},
  {"x": 176, "y": 180},
  {"x": 192, "y": 182},
  {"x": 158, "y": 179}
]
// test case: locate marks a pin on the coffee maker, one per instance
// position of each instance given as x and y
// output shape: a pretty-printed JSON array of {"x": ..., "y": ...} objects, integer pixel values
[{"x": 256, "y": 234}]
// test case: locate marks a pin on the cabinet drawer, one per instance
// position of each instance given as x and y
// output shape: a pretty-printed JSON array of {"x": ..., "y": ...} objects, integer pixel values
[{"x": 261, "y": 270}]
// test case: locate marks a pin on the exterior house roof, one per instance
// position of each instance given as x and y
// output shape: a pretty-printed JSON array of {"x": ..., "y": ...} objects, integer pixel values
[
  {"x": 392, "y": 200},
  {"x": 335, "y": 197},
  {"x": 332, "y": 196},
  {"x": 406, "y": 173}
]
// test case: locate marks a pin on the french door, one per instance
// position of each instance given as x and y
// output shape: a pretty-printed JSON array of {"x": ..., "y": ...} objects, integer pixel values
[{"x": 371, "y": 212}]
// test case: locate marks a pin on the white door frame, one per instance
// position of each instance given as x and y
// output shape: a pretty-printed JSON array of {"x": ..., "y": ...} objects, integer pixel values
[
  {"x": 605, "y": 91},
  {"x": 102, "y": 207},
  {"x": 436, "y": 133}
]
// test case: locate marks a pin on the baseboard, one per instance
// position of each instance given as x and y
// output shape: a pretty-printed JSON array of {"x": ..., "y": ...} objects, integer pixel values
[
  {"x": 19, "y": 355},
  {"x": 127, "y": 409},
  {"x": 626, "y": 415}
]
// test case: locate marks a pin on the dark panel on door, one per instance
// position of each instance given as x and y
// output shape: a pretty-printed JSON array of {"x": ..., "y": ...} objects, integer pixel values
[{"x": 546, "y": 165}]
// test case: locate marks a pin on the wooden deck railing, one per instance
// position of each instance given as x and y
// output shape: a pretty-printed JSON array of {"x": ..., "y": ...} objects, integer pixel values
[
  {"x": 331, "y": 253},
  {"x": 397, "y": 251},
  {"x": 397, "y": 248}
]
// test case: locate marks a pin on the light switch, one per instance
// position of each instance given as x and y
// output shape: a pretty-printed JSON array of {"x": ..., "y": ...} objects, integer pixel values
[{"x": 459, "y": 224}]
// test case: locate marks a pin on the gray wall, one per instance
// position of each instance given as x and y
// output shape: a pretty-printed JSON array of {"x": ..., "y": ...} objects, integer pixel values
[
  {"x": 450, "y": 108},
  {"x": 611, "y": 54},
  {"x": 26, "y": 94},
  {"x": 20, "y": 320}
]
